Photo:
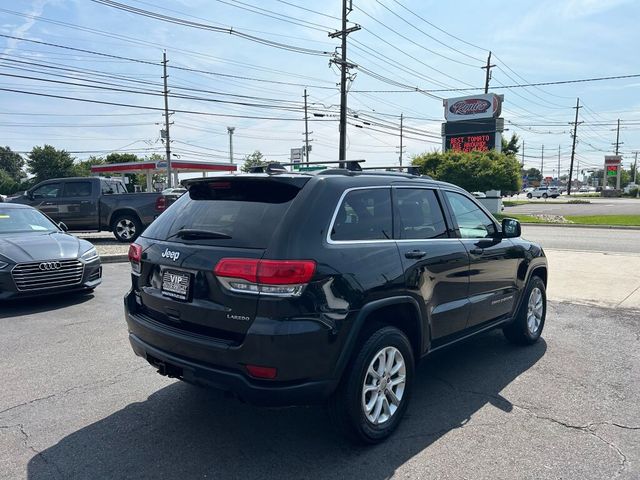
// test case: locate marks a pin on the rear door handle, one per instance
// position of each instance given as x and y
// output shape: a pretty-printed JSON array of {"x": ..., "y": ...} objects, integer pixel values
[
  {"x": 477, "y": 251},
  {"x": 415, "y": 254}
]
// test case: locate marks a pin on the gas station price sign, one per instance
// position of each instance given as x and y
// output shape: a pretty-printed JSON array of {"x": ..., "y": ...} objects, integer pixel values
[{"x": 612, "y": 170}]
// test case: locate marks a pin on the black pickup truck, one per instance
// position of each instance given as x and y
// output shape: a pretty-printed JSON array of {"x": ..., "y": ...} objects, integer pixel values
[{"x": 95, "y": 204}]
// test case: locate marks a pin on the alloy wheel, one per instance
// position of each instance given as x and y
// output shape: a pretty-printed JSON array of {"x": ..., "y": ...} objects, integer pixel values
[
  {"x": 384, "y": 385},
  {"x": 535, "y": 309}
]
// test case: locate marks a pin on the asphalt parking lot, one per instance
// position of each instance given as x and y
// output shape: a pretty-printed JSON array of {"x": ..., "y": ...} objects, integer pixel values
[{"x": 76, "y": 403}]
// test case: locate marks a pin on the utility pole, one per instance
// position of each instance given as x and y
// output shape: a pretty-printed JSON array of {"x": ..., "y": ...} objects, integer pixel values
[
  {"x": 573, "y": 147},
  {"x": 542, "y": 163},
  {"x": 344, "y": 67},
  {"x": 306, "y": 129},
  {"x": 487, "y": 77},
  {"x": 523, "y": 154},
  {"x": 618, "y": 143},
  {"x": 635, "y": 175},
  {"x": 231, "y": 130},
  {"x": 401, "y": 120},
  {"x": 558, "y": 178},
  {"x": 166, "y": 118}
]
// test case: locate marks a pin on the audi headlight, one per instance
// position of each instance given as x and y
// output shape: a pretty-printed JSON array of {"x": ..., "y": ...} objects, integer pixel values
[{"x": 90, "y": 255}]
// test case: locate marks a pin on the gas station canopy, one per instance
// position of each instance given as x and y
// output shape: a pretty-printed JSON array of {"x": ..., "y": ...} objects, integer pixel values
[{"x": 151, "y": 168}]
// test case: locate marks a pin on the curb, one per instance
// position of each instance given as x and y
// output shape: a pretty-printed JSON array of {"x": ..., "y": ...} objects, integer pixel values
[
  {"x": 114, "y": 258},
  {"x": 578, "y": 225}
]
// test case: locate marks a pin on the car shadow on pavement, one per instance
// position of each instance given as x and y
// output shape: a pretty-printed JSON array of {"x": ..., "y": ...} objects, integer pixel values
[
  {"x": 182, "y": 431},
  {"x": 47, "y": 303}
]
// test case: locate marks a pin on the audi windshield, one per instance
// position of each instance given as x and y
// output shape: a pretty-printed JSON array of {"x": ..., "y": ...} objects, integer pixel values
[{"x": 23, "y": 220}]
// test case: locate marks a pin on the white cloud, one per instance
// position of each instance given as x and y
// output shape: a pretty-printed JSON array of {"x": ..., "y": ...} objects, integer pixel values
[
  {"x": 584, "y": 8},
  {"x": 35, "y": 11}
]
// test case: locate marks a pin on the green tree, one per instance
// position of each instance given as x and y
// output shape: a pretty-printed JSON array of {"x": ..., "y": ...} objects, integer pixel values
[
  {"x": 48, "y": 162},
  {"x": 254, "y": 159},
  {"x": 476, "y": 171},
  {"x": 428, "y": 162},
  {"x": 83, "y": 168},
  {"x": 122, "y": 158},
  {"x": 12, "y": 164},
  {"x": 533, "y": 174},
  {"x": 8, "y": 184},
  {"x": 511, "y": 147}
]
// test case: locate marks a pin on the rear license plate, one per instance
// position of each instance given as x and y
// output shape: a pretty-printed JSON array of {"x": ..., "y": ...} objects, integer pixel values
[{"x": 176, "y": 284}]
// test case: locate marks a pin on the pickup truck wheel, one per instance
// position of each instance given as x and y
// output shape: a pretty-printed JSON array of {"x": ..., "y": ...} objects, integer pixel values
[
  {"x": 529, "y": 322},
  {"x": 126, "y": 228},
  {"x": 374, "y": 392}
]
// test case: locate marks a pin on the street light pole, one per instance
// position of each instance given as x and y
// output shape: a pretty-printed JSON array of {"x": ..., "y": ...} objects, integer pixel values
[{"x": 231, "y": 130}]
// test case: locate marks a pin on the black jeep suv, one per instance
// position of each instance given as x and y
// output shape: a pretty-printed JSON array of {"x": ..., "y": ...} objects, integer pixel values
[{"x": 293, "y": 288}]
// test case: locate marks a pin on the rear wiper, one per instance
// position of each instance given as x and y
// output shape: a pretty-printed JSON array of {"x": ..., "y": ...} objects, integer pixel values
[{"x": 192, "y": 234}]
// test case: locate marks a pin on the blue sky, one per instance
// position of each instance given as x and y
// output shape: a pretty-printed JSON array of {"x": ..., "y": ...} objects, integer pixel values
[{"x": 431, "y": 45}]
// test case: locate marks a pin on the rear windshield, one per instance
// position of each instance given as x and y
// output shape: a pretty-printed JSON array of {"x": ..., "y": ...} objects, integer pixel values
[{"x": 248, "y": 211}]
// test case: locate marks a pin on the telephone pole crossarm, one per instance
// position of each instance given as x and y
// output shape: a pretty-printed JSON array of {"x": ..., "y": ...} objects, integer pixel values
[{"x": 488, "y": 68}]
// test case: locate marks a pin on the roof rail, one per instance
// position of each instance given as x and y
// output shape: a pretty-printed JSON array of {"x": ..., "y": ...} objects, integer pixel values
[
  {"x": 277, "y": 167},
  {"x": 411, "y": 169}
]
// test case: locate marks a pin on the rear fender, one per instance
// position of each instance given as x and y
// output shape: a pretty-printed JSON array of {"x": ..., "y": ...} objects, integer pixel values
[{"x": 360, "y": 325}]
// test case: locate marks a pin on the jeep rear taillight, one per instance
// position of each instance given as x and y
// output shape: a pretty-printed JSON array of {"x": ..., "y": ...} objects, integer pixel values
[
  {"x": 135, "y": 257},
  {"x": 282, "y": 278}
]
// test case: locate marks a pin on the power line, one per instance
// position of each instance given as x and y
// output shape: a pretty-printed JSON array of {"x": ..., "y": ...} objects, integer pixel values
[
  {"x": 208, "y": 27},
  {"x": 309, "y": 10},
  {"x": 156, "y": 64},
  {"x": 145, "y": 107}
]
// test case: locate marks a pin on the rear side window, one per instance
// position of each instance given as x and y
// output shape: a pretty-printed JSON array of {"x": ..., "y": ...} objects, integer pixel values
[
  {"x": 364, "y": 215},
  {"x": 419, "y": 214},
  {"x": 77, "y": 189},
  {"x": 244, "y": 213}
]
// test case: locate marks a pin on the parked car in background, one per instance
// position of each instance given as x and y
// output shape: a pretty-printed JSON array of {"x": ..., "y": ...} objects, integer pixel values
[
  {"x": 544, "y": 192},
  {"x": 293, "y": 288},
  {"x": 95, "y": 204},
  {"x": 38, "y": 257},
  {"x": 173, "y": 194},
  {"x": 2, "y": 198}
]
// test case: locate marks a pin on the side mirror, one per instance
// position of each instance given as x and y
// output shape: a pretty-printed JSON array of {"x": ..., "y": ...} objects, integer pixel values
[
  {"x": 511, "y": 228},
  {"x": 29, "y": 194},
  {"x": 62, "y": 226}
]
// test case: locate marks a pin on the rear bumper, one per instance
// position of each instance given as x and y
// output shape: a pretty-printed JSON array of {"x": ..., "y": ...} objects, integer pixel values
[
  {"x": 304, "y": 355},
  {"x": 252, "y": 391}
]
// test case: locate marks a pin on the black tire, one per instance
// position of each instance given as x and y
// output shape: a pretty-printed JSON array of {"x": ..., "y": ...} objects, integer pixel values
[
  {"x": 529, "y": 195},
  {"x": 544, "y": 195},
  {"x": 519, "y": 331},
  {"x": 346, "y": 407},
  {"x": 126, "y": 227}
]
